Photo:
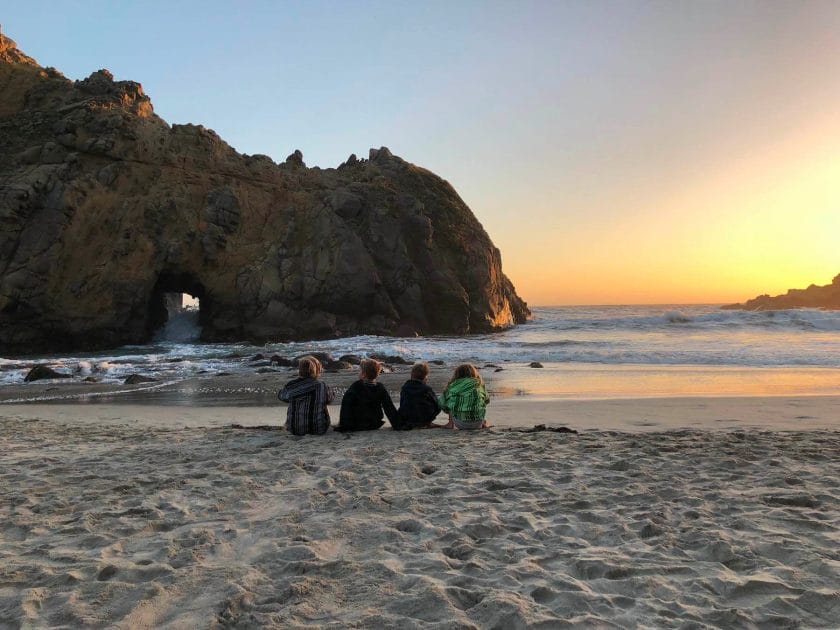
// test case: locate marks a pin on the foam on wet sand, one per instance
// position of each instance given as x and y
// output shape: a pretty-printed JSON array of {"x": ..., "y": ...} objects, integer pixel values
[{"x": 130, "y": 522}]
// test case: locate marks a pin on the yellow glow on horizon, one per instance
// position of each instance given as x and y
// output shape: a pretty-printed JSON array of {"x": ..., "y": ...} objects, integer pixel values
[{"x": 758, "y": 224}]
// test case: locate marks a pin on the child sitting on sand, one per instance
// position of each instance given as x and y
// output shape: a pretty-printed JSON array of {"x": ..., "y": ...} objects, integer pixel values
[
  {"x": 465, "y": 399},
  {"x": 418, "y": 403},
  {"x": 308, "y": 399},
  {"x": 365, "y": 400}
]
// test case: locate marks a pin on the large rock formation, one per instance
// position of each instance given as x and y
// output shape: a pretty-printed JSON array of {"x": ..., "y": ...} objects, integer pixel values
[
  {"x": 105, "y": 207},
  {"x": 814, "y": 296}
]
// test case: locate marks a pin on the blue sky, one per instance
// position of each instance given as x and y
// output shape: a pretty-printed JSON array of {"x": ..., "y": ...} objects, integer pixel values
[{"x": 595, "y": 140}]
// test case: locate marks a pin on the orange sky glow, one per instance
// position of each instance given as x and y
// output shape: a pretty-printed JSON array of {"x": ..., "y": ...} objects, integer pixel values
[{"x": 759, "y": 223}]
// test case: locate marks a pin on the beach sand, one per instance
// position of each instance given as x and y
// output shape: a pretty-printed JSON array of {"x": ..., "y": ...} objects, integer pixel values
[
  {"x": 148, "y": 516},
  {"x": 520, "y": 396}
]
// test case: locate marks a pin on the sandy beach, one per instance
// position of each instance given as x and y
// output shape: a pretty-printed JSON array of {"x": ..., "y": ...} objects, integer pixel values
[
  {"x": 204, "y": 213},
  {"x": 149, "y": 516}
]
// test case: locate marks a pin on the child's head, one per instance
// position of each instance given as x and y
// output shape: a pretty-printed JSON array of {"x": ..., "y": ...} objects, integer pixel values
[
  {"x": 466, "y": 370},
  {"x": 419, "y": 371},
  {"x": 309, "y": 367},
  {"x": 369, "y": 369}
]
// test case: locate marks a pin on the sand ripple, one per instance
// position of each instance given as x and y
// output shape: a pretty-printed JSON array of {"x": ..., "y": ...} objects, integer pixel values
[{"x": 138, "y": 526}]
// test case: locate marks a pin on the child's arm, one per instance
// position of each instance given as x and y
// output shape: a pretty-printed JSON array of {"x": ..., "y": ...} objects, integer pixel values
[
  {"x": 443, "y": 403},
  {"x": 283, "y": 394},
  {"x": 429, "y": 393},
  {"x": 348, "y": 405},
  {"x": 389, "y": 409}
]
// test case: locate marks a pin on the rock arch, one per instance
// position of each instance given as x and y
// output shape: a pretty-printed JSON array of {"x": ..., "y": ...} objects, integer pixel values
[
  {"x": 169, "y": 282},
  {"x": 98, "y": 195}
]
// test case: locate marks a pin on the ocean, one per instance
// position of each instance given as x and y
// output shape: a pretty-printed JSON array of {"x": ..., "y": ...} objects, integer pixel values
[{"x": 586, "y": 351}]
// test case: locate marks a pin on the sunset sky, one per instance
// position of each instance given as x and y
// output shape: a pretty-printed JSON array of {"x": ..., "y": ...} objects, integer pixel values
[{"x": 616, "y": 152}]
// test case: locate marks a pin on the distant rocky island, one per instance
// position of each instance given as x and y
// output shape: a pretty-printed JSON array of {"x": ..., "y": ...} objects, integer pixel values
[
  {"x": 105, "y": 208},
  {"x": 827, "y": 296}
]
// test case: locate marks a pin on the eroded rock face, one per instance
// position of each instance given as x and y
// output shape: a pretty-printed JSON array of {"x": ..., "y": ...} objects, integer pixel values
[
  {"x": 104, "y": 207},
  {"x": 826, "y": 296}
]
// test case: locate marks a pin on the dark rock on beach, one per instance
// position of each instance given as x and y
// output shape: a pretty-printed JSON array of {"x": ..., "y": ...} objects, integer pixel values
[
  {"x": 136, "y": 379},
  {"x": 106, "y": 208},
  {"x": 391, "y": 359},
  {"x": 43, "y": 372},
  {"x": 539, "y": 428},
  {"x": 323, "y": 357},
  {"x": 353, "y": 359},
  {"x": 535, "y": 364},
  {"x": 276, "y": 359},
  {"x": 338, "y": 366}
]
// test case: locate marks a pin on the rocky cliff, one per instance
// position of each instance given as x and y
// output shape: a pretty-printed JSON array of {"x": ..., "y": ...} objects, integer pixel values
[
  {"x": 827, "y": 296},
  {"x": 105, "y": 208}
]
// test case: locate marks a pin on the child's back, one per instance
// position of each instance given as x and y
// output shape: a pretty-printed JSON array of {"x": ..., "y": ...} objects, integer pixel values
[
  {"x": 418, "y": 403},
  {"x": 308, "y": 398},
  {"x": 366, "y": 401},
  {"x": 465, "y": 398}
]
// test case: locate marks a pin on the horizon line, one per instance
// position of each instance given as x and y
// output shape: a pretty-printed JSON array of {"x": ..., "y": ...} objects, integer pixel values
[{"x": 632, "y": 304}]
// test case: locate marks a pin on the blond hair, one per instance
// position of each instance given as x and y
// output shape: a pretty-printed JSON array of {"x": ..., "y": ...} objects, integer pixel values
[
  {"x": 309, "y": 367},
  {"x": 371, "y": 368},
  {"x": 465, "y": 370}
]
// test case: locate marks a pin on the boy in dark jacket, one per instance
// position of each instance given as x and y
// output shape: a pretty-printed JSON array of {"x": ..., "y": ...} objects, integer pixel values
[
  {"x": 418, "y": 403},
  {"x": 365, "y": 401}
]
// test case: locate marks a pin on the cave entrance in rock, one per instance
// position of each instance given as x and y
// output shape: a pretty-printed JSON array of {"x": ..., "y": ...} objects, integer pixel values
[{"x": 177, "y": 308}]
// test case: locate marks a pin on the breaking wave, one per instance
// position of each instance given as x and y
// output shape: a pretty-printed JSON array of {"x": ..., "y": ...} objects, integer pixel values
[{"x": 638, "y": 335}]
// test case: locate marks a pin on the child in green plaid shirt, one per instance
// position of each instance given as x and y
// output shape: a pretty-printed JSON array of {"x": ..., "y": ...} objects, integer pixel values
[{"x": 465, "y": 399}]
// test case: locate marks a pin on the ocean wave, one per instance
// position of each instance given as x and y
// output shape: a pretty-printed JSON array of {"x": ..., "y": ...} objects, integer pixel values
[
  {"x": 672, "y": 335},
  {"x": 645, "y": 318},
  {"x": 560, "y": 343},
  {"x": 182, "y": 327},
  {"x": 676, "y": 317}
]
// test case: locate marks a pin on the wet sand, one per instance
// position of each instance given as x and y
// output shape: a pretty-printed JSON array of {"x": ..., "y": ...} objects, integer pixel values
[{"x": 252, "y": 399}]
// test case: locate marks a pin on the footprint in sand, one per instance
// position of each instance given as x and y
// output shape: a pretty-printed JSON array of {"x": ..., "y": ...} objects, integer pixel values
[
  {"x": 462, "y": 598},
  {"x": 409, "y": 525}
]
